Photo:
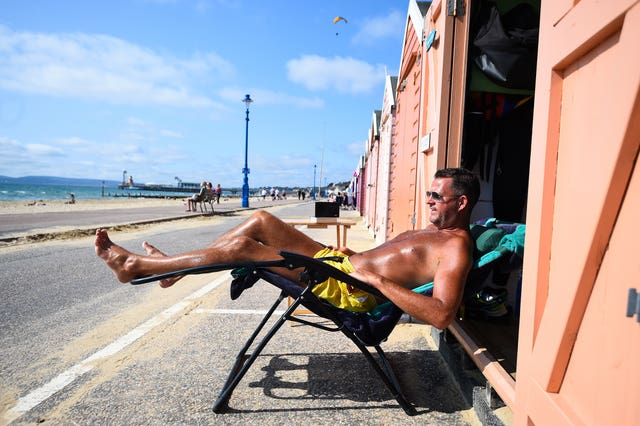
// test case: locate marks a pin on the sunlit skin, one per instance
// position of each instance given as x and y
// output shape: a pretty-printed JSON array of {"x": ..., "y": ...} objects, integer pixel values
[{"x": 440, "y": 253}]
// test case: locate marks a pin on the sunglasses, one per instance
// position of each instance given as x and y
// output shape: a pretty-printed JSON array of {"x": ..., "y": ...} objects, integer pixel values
[{"x": 439, "y": 198}]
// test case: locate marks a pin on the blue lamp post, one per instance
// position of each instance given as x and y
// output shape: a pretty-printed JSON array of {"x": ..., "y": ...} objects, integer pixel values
[
  {"x": 245, "y": 186},
  {"x": 313, "y": 193}
]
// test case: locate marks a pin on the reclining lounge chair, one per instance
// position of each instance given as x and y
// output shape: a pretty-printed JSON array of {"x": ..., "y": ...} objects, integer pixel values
[{"x": 363, "y": 329}]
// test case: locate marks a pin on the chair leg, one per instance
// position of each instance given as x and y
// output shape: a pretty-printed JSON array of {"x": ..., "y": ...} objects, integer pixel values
[
  {"x": 386, "y": 374},
  {"x": 244, "y": 361},
  {"x": 406, "y": 406}
]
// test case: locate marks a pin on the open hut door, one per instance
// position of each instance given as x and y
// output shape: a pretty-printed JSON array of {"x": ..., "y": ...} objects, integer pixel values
[
  {"x": 578, "y": 349},
  {"x": 444, "y": 75}
]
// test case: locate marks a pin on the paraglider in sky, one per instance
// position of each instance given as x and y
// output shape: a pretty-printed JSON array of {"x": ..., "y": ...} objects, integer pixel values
[{"x": 338, "y": 19}]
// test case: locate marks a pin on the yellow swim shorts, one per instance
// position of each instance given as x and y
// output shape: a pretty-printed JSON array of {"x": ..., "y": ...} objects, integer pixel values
[{"x": 336, "y": 292}]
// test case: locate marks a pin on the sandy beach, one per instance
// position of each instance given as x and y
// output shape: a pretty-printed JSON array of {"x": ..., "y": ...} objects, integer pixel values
[
  {"x": 50, "y": 206},
  {"x": 24, "y": 222}
]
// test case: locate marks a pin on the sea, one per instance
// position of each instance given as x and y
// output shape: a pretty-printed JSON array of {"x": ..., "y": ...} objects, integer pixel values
[{"x": 35, "y": 192}]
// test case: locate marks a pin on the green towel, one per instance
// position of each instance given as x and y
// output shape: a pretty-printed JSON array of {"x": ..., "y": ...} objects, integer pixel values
[{"x": 514, "y": 242}]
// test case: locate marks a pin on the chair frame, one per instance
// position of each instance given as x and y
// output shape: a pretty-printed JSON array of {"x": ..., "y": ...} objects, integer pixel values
[{"x": 315, "y": 272}]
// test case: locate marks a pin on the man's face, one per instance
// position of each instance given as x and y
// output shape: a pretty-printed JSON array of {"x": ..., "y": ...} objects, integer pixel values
[{"x": 442, "y": 202}]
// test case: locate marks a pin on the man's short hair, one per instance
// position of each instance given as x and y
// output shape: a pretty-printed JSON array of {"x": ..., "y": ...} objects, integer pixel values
[{"x": 464, "y": 183}]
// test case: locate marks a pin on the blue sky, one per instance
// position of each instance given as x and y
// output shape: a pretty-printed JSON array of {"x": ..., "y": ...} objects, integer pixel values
[{"x": 155, "y": 87}]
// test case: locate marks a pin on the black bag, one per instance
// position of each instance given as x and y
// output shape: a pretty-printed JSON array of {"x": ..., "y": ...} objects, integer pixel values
[{"x": 507, "y": 46}]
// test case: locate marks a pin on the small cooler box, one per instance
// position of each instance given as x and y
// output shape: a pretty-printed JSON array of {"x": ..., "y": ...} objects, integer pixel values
[{"x": 326, "y": 209}]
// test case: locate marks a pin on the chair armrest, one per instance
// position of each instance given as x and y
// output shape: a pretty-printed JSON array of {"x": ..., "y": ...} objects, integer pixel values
[{"x": 206, "y": 269}]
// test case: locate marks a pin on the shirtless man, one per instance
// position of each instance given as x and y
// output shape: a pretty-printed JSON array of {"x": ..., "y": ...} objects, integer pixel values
[{"x": 441, "y": 253}]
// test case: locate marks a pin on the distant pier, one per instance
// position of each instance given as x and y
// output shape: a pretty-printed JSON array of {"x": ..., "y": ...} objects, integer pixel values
[{"x": 184, "y": 188}]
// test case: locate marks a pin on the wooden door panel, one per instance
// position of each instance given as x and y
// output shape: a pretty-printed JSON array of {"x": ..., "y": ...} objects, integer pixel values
[
  {"x": 592, "y": 175},
  {"x": 584, "y": 190},
  {"x": 607, "y": 336}
]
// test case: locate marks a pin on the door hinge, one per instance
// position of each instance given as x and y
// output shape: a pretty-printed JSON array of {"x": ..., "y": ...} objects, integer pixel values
[
  {"x": 633, "y": 304},
  {"x": 455, "y": 7}
]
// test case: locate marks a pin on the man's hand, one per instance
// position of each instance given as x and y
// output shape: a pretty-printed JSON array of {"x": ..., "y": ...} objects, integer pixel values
[{"x": 367, "y": 277}]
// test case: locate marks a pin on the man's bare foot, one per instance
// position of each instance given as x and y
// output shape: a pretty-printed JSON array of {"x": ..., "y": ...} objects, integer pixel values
[
  {"x": 116, "y": 257},
  {"x": 153, "y": 251}
]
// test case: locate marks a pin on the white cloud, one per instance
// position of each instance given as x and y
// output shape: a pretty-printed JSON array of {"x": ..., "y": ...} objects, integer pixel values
[
  {"x": 103, "y": 68},
  {"x": 170, "y": 134},
  {"x": 7, "y": 143},
  {"x": 356, "y": 148},
  {"x": 375, "y": 29},
  {"x": 138, "y": 130},
  {"x": 345, "y": 75},
  {"x": 202, "y": 6},
  {"x": 268, "y": 97},
  {"x": 44, "y": 150},
  {"x": 74, "y": 142},
  {"x": 135, "y": 121}
]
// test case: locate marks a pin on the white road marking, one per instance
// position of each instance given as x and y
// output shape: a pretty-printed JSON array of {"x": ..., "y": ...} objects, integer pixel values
[
  {"x": 67, "y": 377},
  {"x": 235, "y": 311}
]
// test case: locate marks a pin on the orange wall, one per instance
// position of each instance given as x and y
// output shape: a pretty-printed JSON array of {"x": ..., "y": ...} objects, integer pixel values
[{"x": 402, "y": 173}]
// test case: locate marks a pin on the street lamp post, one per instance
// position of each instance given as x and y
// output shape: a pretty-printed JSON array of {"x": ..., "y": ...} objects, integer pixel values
[
  {"x": 245, "y": 186},
  {"x": 313, "y": 193}
]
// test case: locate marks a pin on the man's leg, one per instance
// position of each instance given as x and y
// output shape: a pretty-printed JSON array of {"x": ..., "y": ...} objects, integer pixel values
[
  {"x": 260, "y": 237},
  {"x": 152, "y": 251},
  {"x": 270, "y": 231}
]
